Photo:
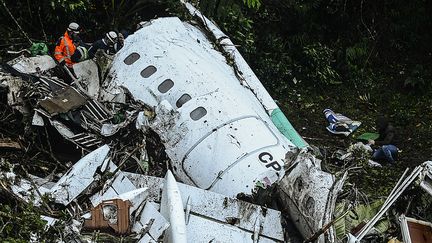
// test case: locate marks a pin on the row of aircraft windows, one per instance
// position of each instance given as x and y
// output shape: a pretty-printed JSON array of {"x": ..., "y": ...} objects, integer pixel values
[{"x": 165, "y": 86}]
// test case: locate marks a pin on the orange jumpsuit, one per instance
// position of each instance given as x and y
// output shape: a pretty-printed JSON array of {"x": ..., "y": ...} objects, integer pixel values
[{"x": 64, "y": 50}]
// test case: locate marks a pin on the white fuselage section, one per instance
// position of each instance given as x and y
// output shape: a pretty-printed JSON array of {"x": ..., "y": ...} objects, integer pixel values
[{"x": 216, "y": 132}]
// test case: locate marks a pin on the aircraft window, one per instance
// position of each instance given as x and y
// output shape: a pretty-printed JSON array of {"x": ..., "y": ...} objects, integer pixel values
[
  {"x": 148, "y": 71},
  {"x": 198, "y": 113},
  {"x": 182, "y": 100},
  {"x": 165, "y": 86},
  {"x": 133, "y": 57}
]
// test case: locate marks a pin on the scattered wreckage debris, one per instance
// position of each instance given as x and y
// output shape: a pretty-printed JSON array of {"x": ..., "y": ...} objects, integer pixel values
[
  {"x": 414, "y": 230},
  {"x": 187, "y": 103},
  {"x": 340, "y": 124},
  {"x": 9, "y": 144},
  {"x": 71, "y": 112},
  {"x": 130, "y": 203},
  {"x": 404, "y": 182},
  {"x": 194, "y": 123},
  {"x": 110, "y": 215},
  {"x": 62, "y": 101}
]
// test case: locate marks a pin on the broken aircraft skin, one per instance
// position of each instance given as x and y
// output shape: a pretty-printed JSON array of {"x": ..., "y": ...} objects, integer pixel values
[
  {"x": 151, "y": 208},
  {"x": 215, "y": 120},
  {"x": 220, "y": 127}
]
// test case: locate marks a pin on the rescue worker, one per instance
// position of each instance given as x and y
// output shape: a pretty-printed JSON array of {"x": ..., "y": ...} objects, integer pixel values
[
  {"x": 81, "y": 54},
  {"x": 110, "y": 44},
  {"x": 387, "y": 150},
  {"x": 66, "y": 45}
]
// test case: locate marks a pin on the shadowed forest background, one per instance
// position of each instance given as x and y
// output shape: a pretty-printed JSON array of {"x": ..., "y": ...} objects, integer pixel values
[{"x": 361, "y": 58}]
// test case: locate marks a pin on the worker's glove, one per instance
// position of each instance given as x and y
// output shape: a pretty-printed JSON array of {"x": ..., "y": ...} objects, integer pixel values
[{"x": 62, "y": 63}]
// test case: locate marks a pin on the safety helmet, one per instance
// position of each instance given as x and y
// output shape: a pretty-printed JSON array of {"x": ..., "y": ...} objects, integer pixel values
[
  {"x": 73, "y": 27},
  {"x": 111, "y": 37}
]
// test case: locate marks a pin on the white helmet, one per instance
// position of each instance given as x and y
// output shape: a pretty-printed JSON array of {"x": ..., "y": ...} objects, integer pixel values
[
  {"x": 111, "y": 37},
  {"x": 74, "y": 27}
]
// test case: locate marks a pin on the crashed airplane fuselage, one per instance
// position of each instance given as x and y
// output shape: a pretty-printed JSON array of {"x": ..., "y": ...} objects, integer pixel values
[
  {"x": 214, "y": 119},
  {"x": 216, "y": 132},
  {"x": 220, "y": 127}
]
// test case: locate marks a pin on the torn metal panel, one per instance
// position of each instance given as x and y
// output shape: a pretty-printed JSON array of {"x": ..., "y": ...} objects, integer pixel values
[
  {"x": 142, "y": 122},
  {"x": 49, "y": 221},
  {"x": 135, "y": 197},
  {"x": 150, "y": 222},
  {"x": 172, "y": 209},
  {"x": 331, "y": 206},
  {"x": 86, "y": 140},
  {"x": 397, "y": 191},
  {"x": 305, "y": 191},
  {"x": 87, "y": 73},
  {"x": 147, "y": 239},
  {"x": 37, "y": 120},
  {"x": 112, "y": 93},
  {"x": 14, "y": 96},
  {"x": 414, "y": 230},
  {"x": 153, "y": 184},
  {"x": 53, "y": 84},
  {"x": 62, "y": 129},
  {"x": 32, "y": 65},
  {"x": 97, "y": 110},
  {"x": 426, "y": 177},
  {"x": 80, "y": 176},
  {"x": 118, "y": 185},
  {"x": 63, "y": 101},
  {"x": 9, "y": 144},
  {"x": 42, "y": 182},
  {"x": 110, "y": 214},
  {"x": 216, "y": 232},
  {"x": 109, "y": 129},
  {"x": 26, "y": 191},
  {"x": 231, "y": 214}
]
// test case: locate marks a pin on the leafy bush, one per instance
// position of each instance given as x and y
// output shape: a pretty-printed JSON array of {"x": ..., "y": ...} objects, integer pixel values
[
  {"x": 317, "y": 63},
  {"x": 417, "y": 77}
]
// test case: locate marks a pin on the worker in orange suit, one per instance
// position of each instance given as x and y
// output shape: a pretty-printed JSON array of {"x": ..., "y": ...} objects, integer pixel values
[{"x": 67, "y": 45}]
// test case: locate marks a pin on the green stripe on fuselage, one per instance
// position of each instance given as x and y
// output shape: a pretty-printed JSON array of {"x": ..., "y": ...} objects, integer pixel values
[{"x": 284, "y": 126}]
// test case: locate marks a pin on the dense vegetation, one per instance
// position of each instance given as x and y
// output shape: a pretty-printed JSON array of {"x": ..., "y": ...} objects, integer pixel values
[{"x": 361, "y": 58}]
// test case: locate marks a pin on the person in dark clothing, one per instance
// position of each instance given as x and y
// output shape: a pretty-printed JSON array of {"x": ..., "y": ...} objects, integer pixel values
[
  {"x": 386, "y": 142},
  {"x": 110, "y": 44},
  {"x": 80, "y": 54}
]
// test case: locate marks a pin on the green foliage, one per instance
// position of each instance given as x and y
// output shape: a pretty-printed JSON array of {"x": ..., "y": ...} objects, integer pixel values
[
  {"x": 356, "y": 55},
  {"x": 417, "y": 77},
  {"x": 359, "y": 214},
  {"x": 233, "y": 19},
  {"x": 241, "y": 29},
  {"x": 357, "y": 63},
  {"x": 318, "y": 61},
  {"x": 252, "y": 3},
  {"x": 276, "y": 71},
  {"x": 20, "y": 222},
  {"x": 70, "y": 5}
]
